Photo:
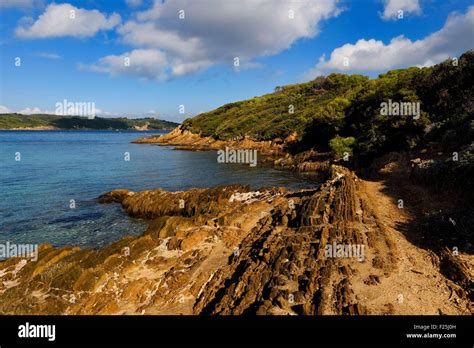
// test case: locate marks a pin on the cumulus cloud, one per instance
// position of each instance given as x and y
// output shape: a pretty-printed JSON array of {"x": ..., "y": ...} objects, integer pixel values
[
  {"x": 210, "y": 34},
  {"x": 374, "y": 55},
  {"x": 145, "y": 63},
  {"x": 66, "y": 20},
  {"x": 407, "y": 6}
]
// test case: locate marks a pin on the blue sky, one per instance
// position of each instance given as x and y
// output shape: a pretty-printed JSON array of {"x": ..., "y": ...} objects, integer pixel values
[{"x": 77, "y": 50}]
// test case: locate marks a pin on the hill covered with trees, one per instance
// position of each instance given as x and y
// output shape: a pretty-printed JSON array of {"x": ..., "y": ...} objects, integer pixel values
[
  {"x": 19, "y": 121},
  {"x": 343, "y": 113}
]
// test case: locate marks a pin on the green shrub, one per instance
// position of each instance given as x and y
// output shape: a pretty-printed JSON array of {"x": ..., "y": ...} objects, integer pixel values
[{"x": 342, "y": 145}]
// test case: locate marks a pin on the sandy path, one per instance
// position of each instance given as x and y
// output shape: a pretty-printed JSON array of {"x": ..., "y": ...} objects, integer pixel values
[{"x": 413, "y": 285}]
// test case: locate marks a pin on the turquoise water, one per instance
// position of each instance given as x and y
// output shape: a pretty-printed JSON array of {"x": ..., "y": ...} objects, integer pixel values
[{"x": 56, "y": 167}]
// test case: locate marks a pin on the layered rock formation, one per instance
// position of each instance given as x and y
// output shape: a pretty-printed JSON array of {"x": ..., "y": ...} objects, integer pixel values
[
  {"x": 229, "y": 250},
  {"x": 282, "y": 266}
]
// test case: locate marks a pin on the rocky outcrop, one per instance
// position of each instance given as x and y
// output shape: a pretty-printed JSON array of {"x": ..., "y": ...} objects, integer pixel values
[
  {"x": 142, "y": 128},
  {"x": 309, "y": 161},
  {"x": 225, "y": 250},
  {"x": 281, "y": 267},
  {"x": 191, "y": 234},
  {"x": 186, "y": 140}
]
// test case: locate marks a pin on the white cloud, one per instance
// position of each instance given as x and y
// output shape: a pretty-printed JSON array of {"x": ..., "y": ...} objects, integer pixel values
[
  {"x": 148, "y": 35},
  {"x": 407, "y": 6},
  {"x": 455, "y": 37},
  {"x": 66, "y": 20},
  {"x": 4, "y": 110},
  {"x": 211, "y": 34},
  {"x": 36, "y": 110},
  {"x": 145, "y": 63},
  {"x": 49, "y": 55},
  {"x": 25, "y": 111}
]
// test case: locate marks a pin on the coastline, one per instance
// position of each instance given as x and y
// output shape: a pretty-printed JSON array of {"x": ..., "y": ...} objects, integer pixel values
[
  {"x": 49, "y": 128},
  {"x": 169, "y": 163},
  {"x": 199, "y": 239},
  {"x": 273, "y": 152},
  {"x": 185, "y": 140},
  {"x": 18, "y": 121}
]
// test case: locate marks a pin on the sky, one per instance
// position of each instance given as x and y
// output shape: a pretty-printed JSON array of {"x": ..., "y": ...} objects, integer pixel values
[{"x": 174, "y": 59}]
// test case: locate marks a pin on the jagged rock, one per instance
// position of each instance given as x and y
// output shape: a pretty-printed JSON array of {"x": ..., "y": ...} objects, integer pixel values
[{"x": 270, "y": 273}]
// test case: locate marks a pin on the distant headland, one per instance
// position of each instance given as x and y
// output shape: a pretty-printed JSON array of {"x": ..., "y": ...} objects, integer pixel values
[{"x": 14, "y": 121}]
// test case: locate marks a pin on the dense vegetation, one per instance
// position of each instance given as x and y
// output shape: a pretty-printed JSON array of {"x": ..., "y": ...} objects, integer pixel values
[
  {"x": 9, "y": 121},
  {"x": 343, "y": 112}
]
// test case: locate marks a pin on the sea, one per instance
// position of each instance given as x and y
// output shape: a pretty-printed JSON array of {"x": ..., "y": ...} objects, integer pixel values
[{"x": 50, "y": 182}]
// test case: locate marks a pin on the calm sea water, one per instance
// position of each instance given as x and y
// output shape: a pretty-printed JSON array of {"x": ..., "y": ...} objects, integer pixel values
[{"x": 59, "y": 166}]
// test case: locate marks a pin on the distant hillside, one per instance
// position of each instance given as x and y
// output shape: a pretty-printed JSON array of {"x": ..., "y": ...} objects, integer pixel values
[
  {"x": 18, "y": 121},
  {"x": 343, "y": 112}
]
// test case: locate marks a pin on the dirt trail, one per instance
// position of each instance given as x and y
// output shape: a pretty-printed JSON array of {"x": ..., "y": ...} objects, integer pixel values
[{"x": 414, "y": 285}]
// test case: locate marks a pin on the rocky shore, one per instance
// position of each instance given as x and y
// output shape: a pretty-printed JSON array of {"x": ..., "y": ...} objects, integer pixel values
[
  {"x": 230, "y": 250},
  {"x": 183, "y": 139},
  {"x": 388, "y": 231}
]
